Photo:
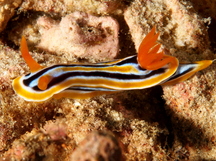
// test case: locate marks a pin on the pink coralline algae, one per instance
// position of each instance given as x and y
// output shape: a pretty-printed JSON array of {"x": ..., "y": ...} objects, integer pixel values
[
  {"x": 80, "y": 34},
  {"x": 98, "y": 146},
  {"x": 56, "y": 131}
]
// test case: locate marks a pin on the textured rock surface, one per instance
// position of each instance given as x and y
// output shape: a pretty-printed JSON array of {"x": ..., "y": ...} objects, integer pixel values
[
  {"x": 7, "y": 10},
  {"x": 191, "y": 104},
  {"x": 183, "y": 32},
  {"x": 98, "y": 146},
  {"x": 90, "y": 36},
  {"x": 192, "y": 107},
  {"x": 181, "y": 126},
  {"x": 67, "y": 6}
]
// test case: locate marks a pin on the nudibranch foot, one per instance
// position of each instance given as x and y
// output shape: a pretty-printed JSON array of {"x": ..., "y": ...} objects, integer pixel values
[{"x": 80, "y": 94}]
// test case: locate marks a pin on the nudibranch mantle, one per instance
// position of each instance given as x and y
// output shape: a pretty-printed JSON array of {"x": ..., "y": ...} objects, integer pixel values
[{"x": 148, "y": 68}]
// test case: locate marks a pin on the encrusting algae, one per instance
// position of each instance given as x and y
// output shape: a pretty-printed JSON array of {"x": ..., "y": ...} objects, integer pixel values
[{"x": 145, "y": 126}]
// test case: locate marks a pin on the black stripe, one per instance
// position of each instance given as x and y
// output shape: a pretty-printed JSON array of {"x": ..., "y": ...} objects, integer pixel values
[
  {"x": 132, "y": 59},
  {"x": 117, "y": 76},
  {"x": 177, "y": 74}
]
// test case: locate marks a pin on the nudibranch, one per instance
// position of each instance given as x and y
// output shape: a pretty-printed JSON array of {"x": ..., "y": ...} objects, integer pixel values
[{"x": 147, "y": 69}]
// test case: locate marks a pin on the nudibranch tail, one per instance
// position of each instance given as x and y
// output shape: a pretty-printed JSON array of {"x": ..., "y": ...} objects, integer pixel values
[
  {"x": 185, "y": 71},
  {"x": 33, "y": 65}
]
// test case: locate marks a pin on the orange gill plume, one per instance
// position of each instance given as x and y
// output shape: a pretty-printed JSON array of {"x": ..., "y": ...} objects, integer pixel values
[{"x": 148, "y": 55}]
